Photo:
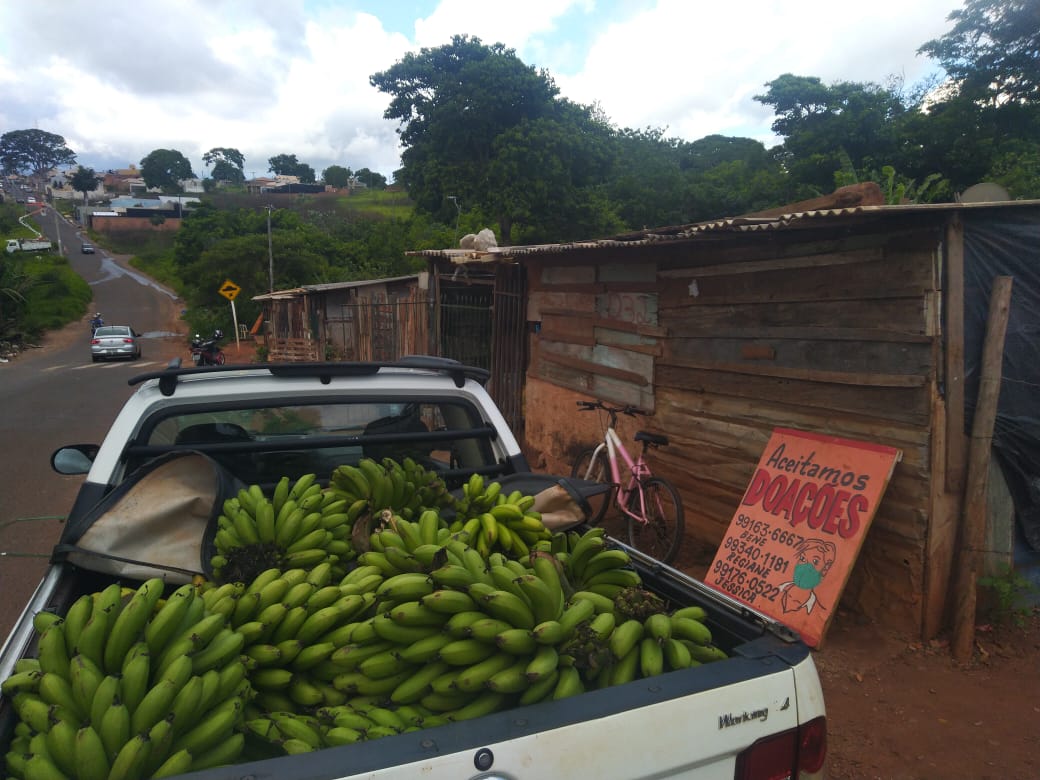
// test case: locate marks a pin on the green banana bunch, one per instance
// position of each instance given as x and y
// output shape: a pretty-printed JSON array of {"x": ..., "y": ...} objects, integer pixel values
[
  {"x": 116, "y": 691},
  {"x": 492, "y": 520},
  {"x": 406, "y": 488},
  {"x": 306, "y": 658},
  {"x": 299, "y": 526},
  {"x": 292, "y": 622},
  {"x": 400, "y": 546},
  {"x": 329, "y": 726},
  {"x": 591, "y": 565}
]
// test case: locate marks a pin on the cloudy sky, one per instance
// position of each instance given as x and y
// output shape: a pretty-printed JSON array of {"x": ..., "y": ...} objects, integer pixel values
[{"x": 121, "y": 78}]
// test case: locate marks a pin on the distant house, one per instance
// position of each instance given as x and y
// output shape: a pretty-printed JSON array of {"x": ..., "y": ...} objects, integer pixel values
[
  {"x": 295, "y": 189},
  {"x": 153, "y": 213},
  {"x": 60, "y": 186},
  {"x": 256, "y": 185},
  {"x": 184, "y": 202},
  {"x": 124, "y": 180}
]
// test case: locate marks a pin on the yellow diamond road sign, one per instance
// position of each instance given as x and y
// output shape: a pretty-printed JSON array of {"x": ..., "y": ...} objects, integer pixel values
[{"x": 229, "y": 289}]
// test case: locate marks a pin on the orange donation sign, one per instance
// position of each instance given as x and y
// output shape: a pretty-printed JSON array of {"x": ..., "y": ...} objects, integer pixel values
[{"x": 790, "y": 547}]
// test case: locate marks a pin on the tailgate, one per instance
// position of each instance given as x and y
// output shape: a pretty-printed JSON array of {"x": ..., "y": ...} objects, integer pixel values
[{"x": 690, "y": 724}]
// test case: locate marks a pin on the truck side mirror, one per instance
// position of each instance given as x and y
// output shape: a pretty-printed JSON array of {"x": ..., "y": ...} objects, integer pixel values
[{"x": 74, "y": 459}]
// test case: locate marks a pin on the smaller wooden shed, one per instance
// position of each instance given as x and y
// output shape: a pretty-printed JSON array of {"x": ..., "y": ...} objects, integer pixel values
[{"x": 376, "y": 319}]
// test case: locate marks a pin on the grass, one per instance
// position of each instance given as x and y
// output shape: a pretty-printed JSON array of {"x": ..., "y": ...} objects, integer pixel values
[
  {"x": 370, "y": 204},
  {"x": 55, "y": 295},
  {"x": 10, "y": 227},
  {"x": 384, "y": 203}
]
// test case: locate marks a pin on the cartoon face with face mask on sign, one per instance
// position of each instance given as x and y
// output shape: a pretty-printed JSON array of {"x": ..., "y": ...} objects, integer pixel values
[{"x": 813, "y": 559}]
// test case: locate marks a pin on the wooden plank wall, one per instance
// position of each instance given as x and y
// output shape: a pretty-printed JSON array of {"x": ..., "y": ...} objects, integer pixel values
[
  {"x": 339, "y": 321},
  {"x": 289, "y": 337},
  {"x": 598, "y": 327},
  {"x": 289, "y": 350},
  {"x": 375, "y": 322},
  {"x": 838, "y": 334},
  {"x": 397, "y": 321}
]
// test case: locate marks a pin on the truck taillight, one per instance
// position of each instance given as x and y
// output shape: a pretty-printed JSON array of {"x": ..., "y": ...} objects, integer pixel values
[{"x": 797, "y": 754}]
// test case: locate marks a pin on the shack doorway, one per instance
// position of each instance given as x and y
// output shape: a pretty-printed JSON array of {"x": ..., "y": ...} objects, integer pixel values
[{"x": 481, "y": 321}]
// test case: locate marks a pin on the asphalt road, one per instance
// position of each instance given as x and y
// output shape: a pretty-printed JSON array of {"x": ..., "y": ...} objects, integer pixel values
[{"x": 55, "y": 395}]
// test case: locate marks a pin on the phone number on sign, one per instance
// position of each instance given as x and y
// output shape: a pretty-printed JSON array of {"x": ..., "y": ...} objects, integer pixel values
[
  {"x": 762, "y": 564},
  {"x": 760, "y": 529},
  {"x": 738, "y": 583}
]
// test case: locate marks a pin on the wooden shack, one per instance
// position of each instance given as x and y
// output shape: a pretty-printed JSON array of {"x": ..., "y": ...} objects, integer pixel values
[
  {"x": 378, "y": 319},
  {"x": 846, "y": 321}
]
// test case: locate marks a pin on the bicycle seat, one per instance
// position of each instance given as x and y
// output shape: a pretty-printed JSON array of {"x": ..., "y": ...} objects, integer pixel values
[{"x": 652, "y": 438}]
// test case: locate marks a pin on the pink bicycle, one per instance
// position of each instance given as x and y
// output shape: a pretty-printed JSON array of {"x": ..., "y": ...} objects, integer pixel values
[{"x": 650, "y": 505}]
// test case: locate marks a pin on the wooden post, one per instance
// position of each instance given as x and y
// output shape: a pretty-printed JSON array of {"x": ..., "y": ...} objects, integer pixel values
[
  {"x": 973, "y": 526},
  {"x": 953, "y": 374}
]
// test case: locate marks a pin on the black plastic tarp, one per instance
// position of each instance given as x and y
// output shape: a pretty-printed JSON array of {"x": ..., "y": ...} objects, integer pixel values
[{"x": 1008, "y": 245}]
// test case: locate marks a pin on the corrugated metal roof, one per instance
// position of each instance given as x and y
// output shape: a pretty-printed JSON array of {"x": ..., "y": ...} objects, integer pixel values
[
  {"x": 295, "y": 292},
  {"x": 694, "y": 231}
]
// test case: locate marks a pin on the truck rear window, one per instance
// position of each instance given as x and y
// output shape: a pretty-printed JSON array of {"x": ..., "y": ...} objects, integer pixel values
[{"x": 262, "y": 444}]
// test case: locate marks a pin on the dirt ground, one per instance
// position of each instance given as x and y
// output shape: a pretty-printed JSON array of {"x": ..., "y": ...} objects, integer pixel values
[{"x": 902, "y": 709}]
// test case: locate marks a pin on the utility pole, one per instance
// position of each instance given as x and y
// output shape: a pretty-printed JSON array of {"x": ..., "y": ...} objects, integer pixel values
[
  {"x": 270, "y": 250},
  {"x": 57, "y": 229},
  {"x": 458, "y": 213}
]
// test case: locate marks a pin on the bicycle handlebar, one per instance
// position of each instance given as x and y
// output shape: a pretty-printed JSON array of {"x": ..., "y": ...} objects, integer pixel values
[{"x": 631, "y": 411}]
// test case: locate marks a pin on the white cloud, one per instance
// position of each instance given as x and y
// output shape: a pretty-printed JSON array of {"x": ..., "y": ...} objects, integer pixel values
[
  {"x": 694, "y": 68},
  {"x": 292, "y": 77},
  {"x": 512, "y": 24}
]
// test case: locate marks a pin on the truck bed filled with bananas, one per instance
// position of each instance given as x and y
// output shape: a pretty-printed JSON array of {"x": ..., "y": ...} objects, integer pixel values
[{"x": 372, "y": 621}]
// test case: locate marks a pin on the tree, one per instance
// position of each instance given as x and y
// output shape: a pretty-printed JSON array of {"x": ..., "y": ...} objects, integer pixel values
[
  {"x": 985, "y": 123},
  {"x": 371, "y": 179},
  {"x": 1018, "y": 169},
  {"x": 547, "y": 176},
  {"x": 820, "y": 121},
  {"x": 33, "y": 151},
  {"x": 165, "y": 169},
  {"x": 336, "y": 176},
  {"x": 453, "y": 103},
  {"x": 993, "y": 51},
  {"x": 288, "y": 165},
  {"x": 226, "y": 172},
  {"x": 228, "y": 164},
  {"x": 84, "y": 180}
]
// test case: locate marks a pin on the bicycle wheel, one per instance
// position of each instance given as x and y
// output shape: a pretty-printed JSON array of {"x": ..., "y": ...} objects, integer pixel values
[
  {"x": 661, "y": 536},
  {"x": 600, "y": 472}
]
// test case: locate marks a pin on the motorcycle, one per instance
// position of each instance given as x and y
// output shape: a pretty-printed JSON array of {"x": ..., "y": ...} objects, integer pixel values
[
  {"x": 95, "y": 323},
  {"x": 206, "y": 352}
]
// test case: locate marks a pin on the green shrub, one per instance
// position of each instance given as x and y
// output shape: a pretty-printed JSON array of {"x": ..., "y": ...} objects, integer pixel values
[
  {"x": 1013, "y": 596},
  {"x": 55, "y": 296}
]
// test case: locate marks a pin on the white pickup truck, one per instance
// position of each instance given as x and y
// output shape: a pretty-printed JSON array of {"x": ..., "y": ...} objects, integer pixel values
[
  {"x": 27, "y": 245},
  {"x": 757, "y": 712}
]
